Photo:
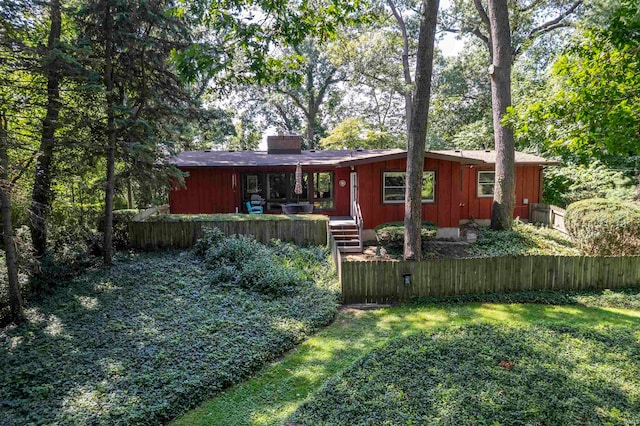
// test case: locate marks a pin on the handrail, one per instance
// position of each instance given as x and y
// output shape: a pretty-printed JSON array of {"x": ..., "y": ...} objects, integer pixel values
[{"x": 357, "y": 214}]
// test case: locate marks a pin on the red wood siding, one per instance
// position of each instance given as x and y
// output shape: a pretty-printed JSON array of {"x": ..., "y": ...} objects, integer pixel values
[
  {"x": 218, "y": 190},
  {"x": 212, "y": 190},
  {"x": 527, "y": 186},
  {"x": 445, "y": 211},
  {"x": 208, "y": 190}
]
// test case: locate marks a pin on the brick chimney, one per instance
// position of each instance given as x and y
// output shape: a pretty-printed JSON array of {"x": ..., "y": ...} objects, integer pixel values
[{"x": 284, "y": 144}]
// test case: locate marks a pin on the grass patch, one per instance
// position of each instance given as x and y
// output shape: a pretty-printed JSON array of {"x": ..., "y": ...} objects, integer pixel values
[
  {"x": 234, "y": 217},
  {"x": 144, "y": 340},
  {"x": 486, "y": 374},
  {"x": 277, "y": 391},
  {"x": 523, "y": 240},
  {"x": 626, "y": 298}
]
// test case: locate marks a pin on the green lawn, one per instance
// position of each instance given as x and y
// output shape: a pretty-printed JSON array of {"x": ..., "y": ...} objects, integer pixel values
[
  {"x": 274, "y": 394},
  {"x": 144, "y": 340}
]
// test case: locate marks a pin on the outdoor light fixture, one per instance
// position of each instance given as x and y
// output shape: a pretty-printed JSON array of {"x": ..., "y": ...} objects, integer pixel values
[{"x": 407, "y": 279}]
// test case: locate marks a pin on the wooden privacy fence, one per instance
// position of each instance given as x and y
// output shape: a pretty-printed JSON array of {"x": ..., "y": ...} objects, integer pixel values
[
  {"x": 160, "y": 234},
  {"x": 384, "y": 281},
  {"x": 548, "y": 215}
]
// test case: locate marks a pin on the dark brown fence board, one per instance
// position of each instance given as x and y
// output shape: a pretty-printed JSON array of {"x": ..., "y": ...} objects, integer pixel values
[
  {"x": 382, "y": 282},
  {"x": 163, "y": 234}
]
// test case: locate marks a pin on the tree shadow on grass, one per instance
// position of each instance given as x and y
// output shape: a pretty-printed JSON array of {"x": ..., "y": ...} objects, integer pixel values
[
  {"x": 274, "y": 393},
  {"x": 486, "y": 374}
]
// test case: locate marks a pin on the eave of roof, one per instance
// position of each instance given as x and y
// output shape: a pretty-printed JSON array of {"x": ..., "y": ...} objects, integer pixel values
[
  {"x": 336, "y": 158},
  {"x": 489, "y": 157}
]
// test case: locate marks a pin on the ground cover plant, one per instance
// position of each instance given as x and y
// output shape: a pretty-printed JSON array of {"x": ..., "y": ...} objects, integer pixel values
[
  {"x": 142, "y": 341},
  {"x": 274, "y": 394},
  {"x": 486, "y": 374},
  {"x": 523, "y": 240}
]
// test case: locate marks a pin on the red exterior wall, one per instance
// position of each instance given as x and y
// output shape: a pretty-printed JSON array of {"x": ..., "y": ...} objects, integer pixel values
[
  {"x": 528, "y": 180},
  {"x": 218, "y": 190},
  {"x": 444, "y": 212},
  {"x": 208, "y": 190}
]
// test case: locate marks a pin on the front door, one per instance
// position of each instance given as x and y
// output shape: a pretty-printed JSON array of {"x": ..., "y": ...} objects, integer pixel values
[{"x": 354, "y": 192}]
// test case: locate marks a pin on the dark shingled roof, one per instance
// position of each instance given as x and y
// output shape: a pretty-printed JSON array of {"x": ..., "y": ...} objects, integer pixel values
[
  {"x": 333, "y": 158},
  {"x": 489, "y": 157}
]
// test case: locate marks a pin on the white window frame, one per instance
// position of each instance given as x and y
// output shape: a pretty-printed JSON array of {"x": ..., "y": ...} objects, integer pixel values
[
  {"x": 479, "y": 193},
  {"x": 424, "y": 201}
]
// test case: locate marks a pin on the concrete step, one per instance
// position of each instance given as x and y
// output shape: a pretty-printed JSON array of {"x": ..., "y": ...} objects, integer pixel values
[{"x": 355, "y": 249}]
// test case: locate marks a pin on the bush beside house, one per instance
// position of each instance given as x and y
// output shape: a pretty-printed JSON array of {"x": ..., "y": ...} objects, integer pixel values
[{"x": 603, "y": 227}]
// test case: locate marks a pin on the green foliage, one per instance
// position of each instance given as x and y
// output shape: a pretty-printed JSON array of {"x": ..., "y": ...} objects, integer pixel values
[
  {"x": 273, "y": 270},
  {"x": 121, "y": 219},
  {"x": 355, "y": 333},
  {"x": 209, "y": 238},
  {"x": 476, "y": 135},
  {"x": 620, "y": 298},
  {"x": 391, "y": 234},
  {"x": 590, "y": 106},
  {"x": 523, "y": 240},
  {"x": 144, "y": 340},
  {"x": 567, "y": 184},
  {"x": 462, "y": 100},
  {"x": 605, "y": 227},
  {"x": 486, "y": 374},
  {"x": 354, "y": 133}
]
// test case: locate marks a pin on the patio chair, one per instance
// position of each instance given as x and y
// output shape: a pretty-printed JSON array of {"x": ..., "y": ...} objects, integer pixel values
[{"x": 254, "y": 209}]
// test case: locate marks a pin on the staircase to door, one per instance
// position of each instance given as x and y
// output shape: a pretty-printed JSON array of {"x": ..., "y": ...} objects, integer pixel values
[{"x": 347, "y": 231}]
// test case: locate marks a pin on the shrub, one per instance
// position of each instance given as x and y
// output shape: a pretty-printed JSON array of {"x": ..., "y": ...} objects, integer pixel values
[
  {"x": 265, "y": 276},
  {"x": 391, "y": 234},
  {"x": 210, "y": 237},
  {"x": 235, "y": 251},
  {"x": 570, "y": 183},
  {"x": 273, "y": 270},
  {"x": 604, "y": 227}
]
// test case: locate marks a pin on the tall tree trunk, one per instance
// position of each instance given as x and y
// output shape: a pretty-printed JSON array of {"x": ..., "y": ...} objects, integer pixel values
[
  {"x": 310, "y": 130},
  {"x": 418, "y": 131},
  {"x": 406, "y": 71},
  {"x": 15, "y": 301},
  {"x": 41, "y": 194},
  {"x": 111, "y": 137},
  {"x": 504, "y": 192}
]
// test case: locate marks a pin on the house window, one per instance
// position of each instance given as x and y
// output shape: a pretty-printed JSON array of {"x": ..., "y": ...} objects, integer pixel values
[
  {"x": 486, "y": 183},
  {"x": 277, "y": 186},
  {"x": 394, "y": 185},
  {"x": 323, "y": 190},
  {"x": 276, "y": 189},
  {"x": 305, "y": 188}
]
